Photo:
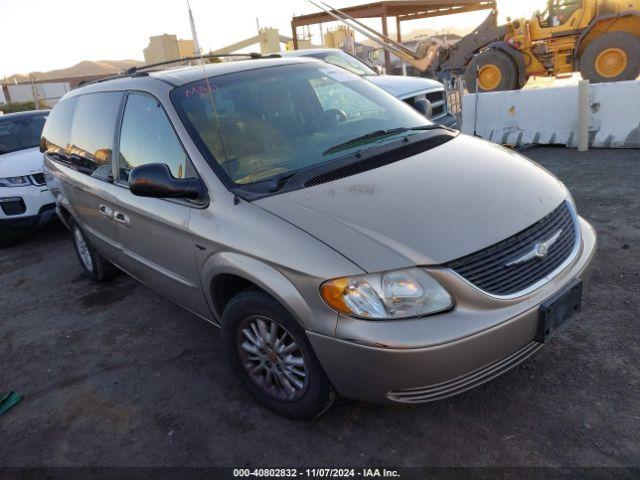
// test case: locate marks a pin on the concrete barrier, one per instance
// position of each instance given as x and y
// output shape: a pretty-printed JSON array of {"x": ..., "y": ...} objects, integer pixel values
[{"x": 549, "y": 116}]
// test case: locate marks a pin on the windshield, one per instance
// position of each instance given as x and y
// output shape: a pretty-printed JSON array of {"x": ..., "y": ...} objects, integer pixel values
[
  {"x": 346, "y": 61},
  {"x": 272, "y": 121},
  {"x": 20, "y": 132}
]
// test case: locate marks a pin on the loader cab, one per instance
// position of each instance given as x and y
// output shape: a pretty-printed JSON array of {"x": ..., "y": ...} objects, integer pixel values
[{"x": 559, "y": 13}]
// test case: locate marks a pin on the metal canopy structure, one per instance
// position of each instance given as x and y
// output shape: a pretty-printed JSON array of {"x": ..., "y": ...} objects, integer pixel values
[{"x": 402, "y": 10}]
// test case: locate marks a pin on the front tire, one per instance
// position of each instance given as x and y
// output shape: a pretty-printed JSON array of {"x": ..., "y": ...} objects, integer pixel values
[
  {"x": 612, "y": 57},
  {"x": 94, "y": 265},
  {"x": 271, "y": 354},
  {"x": 494, "y": 70}
]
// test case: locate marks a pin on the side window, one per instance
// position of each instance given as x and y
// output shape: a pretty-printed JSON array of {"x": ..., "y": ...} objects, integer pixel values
[
  {"x": 147, "y": 137},
  {"x": 56, "y": 135},
  {"x": 562, "y": 10},
  {"x": 93, "y": 132}
]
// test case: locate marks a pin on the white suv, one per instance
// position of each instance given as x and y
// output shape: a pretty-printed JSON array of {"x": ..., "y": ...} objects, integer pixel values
[{"x": 25, "y": 199}]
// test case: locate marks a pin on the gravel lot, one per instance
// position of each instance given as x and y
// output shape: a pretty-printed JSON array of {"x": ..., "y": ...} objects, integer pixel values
[{"x": 114, "y": 375}]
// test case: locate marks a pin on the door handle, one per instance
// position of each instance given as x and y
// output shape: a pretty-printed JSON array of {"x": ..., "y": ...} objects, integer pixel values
[
  {"x": 121, "y": 218},
  {"x": 106, "y": 211}
]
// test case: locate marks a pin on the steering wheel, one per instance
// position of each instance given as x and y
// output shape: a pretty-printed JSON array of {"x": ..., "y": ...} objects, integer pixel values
[{"x": 331, "y": 118}]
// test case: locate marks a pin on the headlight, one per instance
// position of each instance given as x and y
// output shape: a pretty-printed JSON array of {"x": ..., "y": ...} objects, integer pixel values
[
  {"x": 390, "y": 295},
  {"x": 14, "y": 182}
]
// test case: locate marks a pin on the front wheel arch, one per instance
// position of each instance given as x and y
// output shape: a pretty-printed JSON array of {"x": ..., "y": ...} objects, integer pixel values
[{"x": 251, "y": 271}]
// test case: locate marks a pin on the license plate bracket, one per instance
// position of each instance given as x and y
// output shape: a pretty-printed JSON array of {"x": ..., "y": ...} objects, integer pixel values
[{"x": 555, "y": 311}]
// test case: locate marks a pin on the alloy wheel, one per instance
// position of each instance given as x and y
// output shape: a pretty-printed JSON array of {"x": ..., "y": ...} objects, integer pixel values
[
  {"x": 83, "y": 249},
  {"x": 272, "y": 358}
]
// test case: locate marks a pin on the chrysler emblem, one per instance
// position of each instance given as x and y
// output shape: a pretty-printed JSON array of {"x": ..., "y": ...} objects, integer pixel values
[{"x": 540, "y": 250}]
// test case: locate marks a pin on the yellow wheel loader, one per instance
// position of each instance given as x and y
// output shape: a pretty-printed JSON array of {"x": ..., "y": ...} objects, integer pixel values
[{"x": 598, "y": 38}]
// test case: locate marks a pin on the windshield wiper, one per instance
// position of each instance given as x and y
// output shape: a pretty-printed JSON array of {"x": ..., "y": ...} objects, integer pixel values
[
  {"x": 276, "y": 183},
  {"x": 377, "y": 134}
]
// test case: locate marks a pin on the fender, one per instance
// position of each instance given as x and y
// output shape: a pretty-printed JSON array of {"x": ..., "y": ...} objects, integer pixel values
[
  {"x": 592, "y": 25},
  {"x": 263, "y": 275},
  {"x": 516, "y": 56}
]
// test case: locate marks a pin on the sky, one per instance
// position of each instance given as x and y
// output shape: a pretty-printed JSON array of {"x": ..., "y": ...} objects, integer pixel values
[{"x": 41, "y": 35}]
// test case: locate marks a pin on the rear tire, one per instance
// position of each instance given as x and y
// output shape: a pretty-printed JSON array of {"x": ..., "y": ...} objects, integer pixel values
[
  {"x": 94, "y": 265},
  {"x": 612, "y": 57},
  {"x": 497, "y": 72},
  {"x": 278, "y": 367}
]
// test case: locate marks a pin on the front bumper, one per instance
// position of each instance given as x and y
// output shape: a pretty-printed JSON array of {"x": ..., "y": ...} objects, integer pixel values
[
  {"x": 25, "y": 207},
  {"x": 421, "y": 360}
]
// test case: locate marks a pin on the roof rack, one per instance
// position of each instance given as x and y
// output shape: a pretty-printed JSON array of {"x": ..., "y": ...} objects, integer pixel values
[{"x": 141, "y": 71}]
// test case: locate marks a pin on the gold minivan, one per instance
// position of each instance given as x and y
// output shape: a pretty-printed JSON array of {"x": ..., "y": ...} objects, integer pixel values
[{"x": 341, "y": 241}]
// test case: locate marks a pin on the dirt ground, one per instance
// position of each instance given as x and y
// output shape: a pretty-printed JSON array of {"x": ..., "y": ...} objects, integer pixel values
[{"x": 114, "y": 375}]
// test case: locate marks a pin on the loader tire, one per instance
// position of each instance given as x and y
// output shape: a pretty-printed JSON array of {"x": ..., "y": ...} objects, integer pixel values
[
  {"x": 612, "y": 57},
  {"x": 495, "y": 72}
]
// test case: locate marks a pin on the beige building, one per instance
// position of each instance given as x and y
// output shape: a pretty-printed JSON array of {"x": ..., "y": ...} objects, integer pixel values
[
  {"x": 166, "y": 47},
  {"x": 186, "y": 48},
  {"x": 340, "y": 37},
  {"x": 303, "y": 44}
]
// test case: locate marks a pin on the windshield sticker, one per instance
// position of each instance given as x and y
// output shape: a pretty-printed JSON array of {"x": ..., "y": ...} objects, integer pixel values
[
  {"x": 200, "y": 89},
  {"x": 339, "y": 75}
]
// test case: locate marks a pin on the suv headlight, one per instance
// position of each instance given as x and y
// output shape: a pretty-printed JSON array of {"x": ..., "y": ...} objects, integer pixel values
[
  {"x": 388, "y": 295},
  {"x": 14, "y": 182}
]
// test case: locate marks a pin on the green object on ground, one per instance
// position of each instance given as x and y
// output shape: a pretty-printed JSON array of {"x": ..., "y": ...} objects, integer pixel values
[{"x": 9, "y": 401}]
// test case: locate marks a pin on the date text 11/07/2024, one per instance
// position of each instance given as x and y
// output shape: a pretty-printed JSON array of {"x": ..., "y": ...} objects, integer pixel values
[{"x": 315, "y": 473}]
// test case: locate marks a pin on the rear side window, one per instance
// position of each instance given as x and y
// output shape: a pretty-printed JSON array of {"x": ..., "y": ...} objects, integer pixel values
[
  {"x": 148, "y": 137},
  {"x": 93, "y": 132},
  {"x": 56, "y": 136}
]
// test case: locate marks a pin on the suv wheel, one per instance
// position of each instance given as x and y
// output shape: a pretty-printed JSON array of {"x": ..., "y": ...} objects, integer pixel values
[
  {"x": 93, "y": 263},
  {"x": 271, "y": 353}
]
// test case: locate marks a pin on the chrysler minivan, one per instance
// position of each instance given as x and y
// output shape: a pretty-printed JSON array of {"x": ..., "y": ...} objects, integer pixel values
[{"x": 341, "y": 241}]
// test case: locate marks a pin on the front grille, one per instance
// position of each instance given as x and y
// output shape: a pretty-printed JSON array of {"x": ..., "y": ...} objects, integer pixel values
[
  {"x": 12, "y": 206},
  {"x": 496, "y": 269},
  {"x": 38, "y": 179},
  {"x": 434, "y": 97},
  {"x": 437, "y": 111}
]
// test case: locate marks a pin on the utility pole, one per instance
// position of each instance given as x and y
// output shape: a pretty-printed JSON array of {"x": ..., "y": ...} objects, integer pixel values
[
  {"x": 196, "y": 45},
  {"x": 34, "y": 92}
]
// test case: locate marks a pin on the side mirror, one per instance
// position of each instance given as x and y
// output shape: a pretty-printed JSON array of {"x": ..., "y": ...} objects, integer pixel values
[
  {"x": 155, "y": 180},
  {"x": 423, "y": 106}
]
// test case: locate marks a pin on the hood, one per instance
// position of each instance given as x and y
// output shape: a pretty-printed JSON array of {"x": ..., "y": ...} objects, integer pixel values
[
  {"x": 21, "y": 163},
  {"x": 429, "y": 209},
  {"x": 400, "y": 86}
]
